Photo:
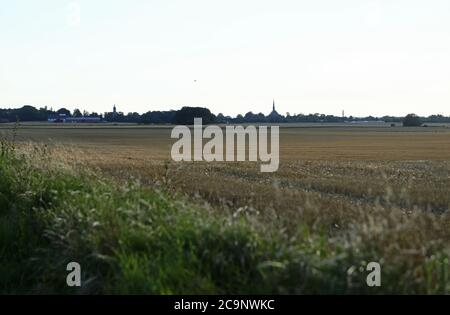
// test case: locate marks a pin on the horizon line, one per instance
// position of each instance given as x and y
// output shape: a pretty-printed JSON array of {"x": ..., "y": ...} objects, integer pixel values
[{"x": 55, "y": 109}]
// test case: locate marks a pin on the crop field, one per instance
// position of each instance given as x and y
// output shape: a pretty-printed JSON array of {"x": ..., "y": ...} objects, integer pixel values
[{"x": 342, "y": 197}]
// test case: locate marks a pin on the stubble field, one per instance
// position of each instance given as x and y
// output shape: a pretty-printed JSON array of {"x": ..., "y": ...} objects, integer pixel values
[{"x": 408, "y": 166}]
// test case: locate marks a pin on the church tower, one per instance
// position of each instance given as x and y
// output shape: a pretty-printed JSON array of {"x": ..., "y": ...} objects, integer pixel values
[
  {"x": 274, "y": 111},
  {"x": 274, "y": 116}
]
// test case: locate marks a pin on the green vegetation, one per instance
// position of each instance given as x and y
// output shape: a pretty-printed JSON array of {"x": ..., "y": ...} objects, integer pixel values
[
  {"x": 131, "y": 238},
  {"x": 186, "y": 116},
  {"x": 412, "y": 120}
]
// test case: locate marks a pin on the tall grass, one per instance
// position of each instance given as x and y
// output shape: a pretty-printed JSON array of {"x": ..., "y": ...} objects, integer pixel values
[{"x": 133, "y": 239}]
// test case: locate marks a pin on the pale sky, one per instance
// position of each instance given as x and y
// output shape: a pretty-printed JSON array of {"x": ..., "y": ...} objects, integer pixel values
[{"x": 367, "y": 57}]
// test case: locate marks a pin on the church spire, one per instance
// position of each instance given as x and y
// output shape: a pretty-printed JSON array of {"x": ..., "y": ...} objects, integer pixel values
[{"x": 274, "y": 105}]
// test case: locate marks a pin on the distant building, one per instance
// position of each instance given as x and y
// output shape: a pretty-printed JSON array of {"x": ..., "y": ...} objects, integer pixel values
[
  {"x": 63, "y": 118},
  {"x": 57, "y": 118},
  {"x": 83, "y": 120},
  {"x": 115, "y": 113},
  {"x": 274, "y": 116}
]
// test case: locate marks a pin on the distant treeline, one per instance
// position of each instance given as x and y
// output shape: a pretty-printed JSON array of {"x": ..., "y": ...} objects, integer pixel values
[{"x": 186, "y": 115}]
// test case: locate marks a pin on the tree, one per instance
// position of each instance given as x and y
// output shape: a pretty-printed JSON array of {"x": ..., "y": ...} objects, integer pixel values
[
  {"x": 133, "y": 118},
  {"x": 239, "y": 119},
  {"x": 158, "y": 117},
  {"x": 77, "y": 113},
  {"x": 94, "y": 115},
  {"x": 27, "y": 113},
  {"x": 220, "y": 119},
  {"x": 412, "y": 120},
  {"x": 186, "y": 116},
  {"x": 63, "y": 111}
]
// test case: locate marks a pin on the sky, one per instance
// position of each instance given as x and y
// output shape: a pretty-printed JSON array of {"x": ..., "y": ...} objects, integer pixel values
[{"x": 386, "y": 57}]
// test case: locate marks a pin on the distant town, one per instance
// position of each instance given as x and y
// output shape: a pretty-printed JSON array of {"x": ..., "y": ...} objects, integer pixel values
[{"x": 186, "y": 115}]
